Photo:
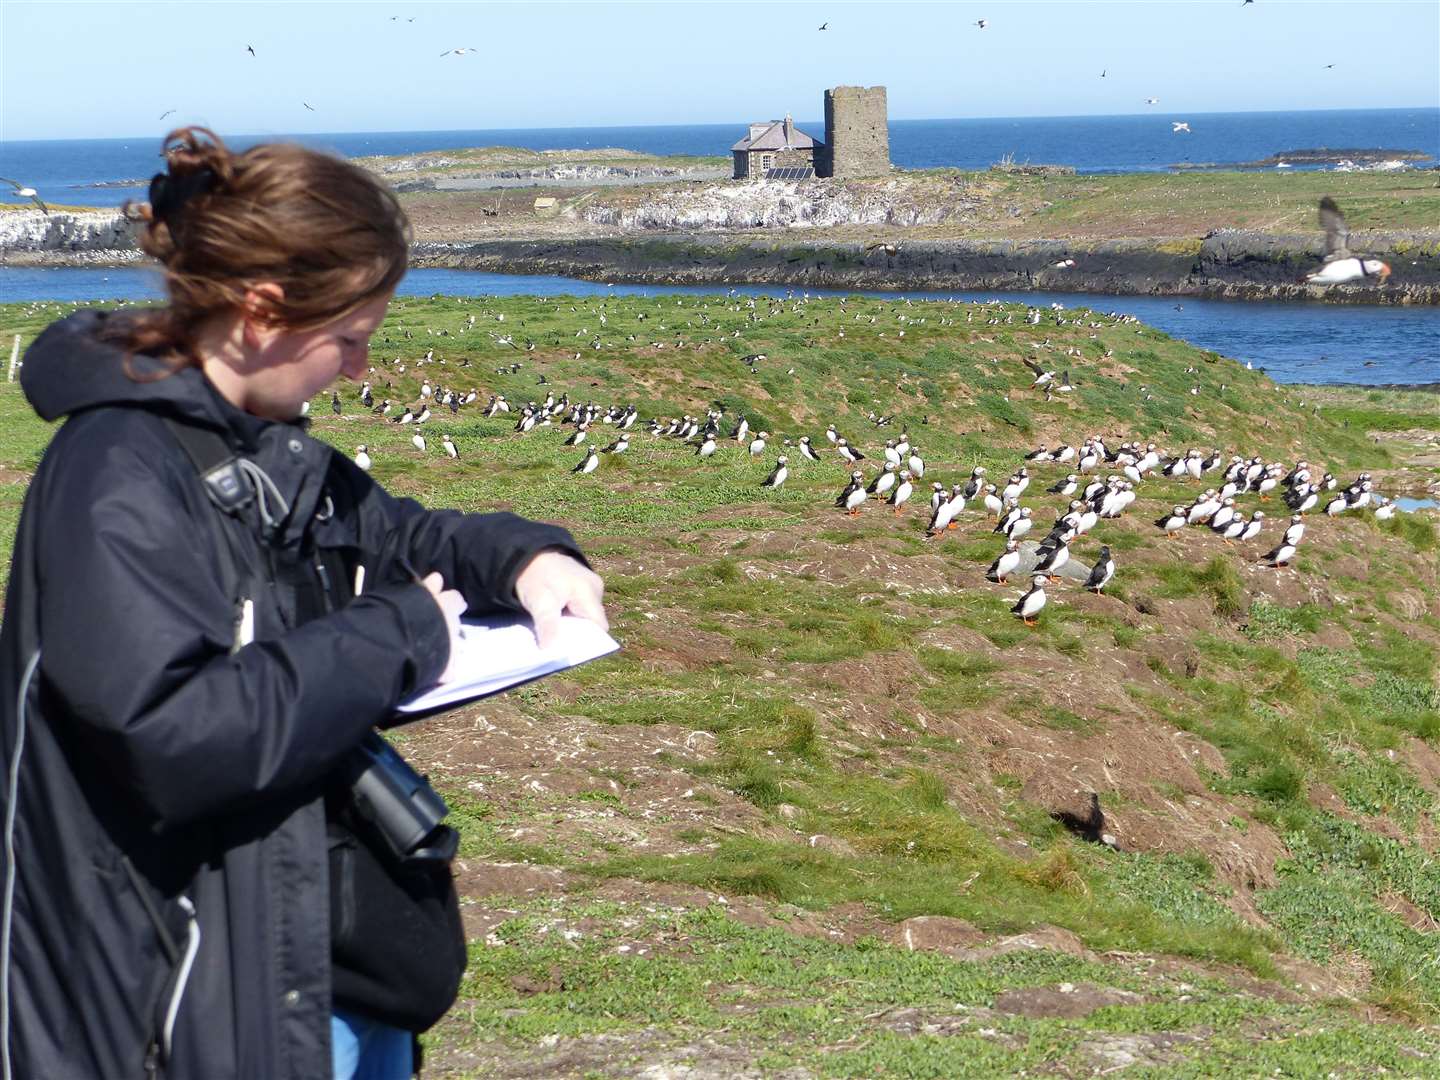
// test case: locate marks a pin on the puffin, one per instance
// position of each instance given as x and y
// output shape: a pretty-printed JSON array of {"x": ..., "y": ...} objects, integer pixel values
[
  {"x": 1005, "y": 563},
  {"x": 707, "y": 448},
  {"x": 1295, "y": 531},
  {"x": 1052, "y": 558},
  {"x": 449, "y": 445},
  {"x": 757, "y": 444},
  {"x": 1021, "y": 525},
  {"x": 1101, "y": 572},
  {"x": 1063, "y": 487},
  {"x": 806, "y": 450},
  {"x": 578, "y": 435},
  {"x": 362, "y": 457},
  {"x": 619, "y": 446},
  {"x": 589, "y": 463},
  {"x": 1340, "y": 265},
  {"x": 992, "y": 501},
  {"x": 778, "y": 474},
  {"x": 1253, "y": 526},
  {"x": 883, "y": 482},
  {"x": 1172, "y": 522},
  {"x": 848, "y": 452},
  {"x": 853, "y": 497},
  {"x": 975, "y": 483},
  {"x": 1280, "y": 555},
  {"x": 1030, "y": 602},
  {"x": 903, "y": 490},
  {"x": 418, "y": 440}
]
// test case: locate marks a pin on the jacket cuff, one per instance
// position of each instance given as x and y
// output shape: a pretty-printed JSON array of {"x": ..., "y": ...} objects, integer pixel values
[
  {"x": 425, "y": 630},
  {"x": 540, "y": 538}
]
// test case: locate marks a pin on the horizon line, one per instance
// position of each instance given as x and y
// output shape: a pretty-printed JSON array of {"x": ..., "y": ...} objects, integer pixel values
[{"x": 728, "y": 123}]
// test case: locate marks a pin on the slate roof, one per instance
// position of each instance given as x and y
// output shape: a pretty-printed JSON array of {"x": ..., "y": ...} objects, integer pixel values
[{"x": 780, "y": 135}]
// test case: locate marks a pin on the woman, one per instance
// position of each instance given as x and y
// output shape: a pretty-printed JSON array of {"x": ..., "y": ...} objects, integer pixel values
[{"x": 186, "y": 672}]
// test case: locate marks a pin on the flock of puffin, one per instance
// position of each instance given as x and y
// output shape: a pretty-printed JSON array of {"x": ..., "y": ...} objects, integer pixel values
[{"x": 1102, "y": 484}]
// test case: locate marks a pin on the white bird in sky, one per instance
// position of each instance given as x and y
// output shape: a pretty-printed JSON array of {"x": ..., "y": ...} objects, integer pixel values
[
  {"x": 1152, "y": 101},
  {"x": 25, "y": 192},
  {"x": 460, "y": 52},
  {"x": 1177, "y": 126}
]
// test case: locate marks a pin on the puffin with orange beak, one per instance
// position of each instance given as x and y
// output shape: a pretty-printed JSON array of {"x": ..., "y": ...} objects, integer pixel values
[{"x": 1340, "y": 264}]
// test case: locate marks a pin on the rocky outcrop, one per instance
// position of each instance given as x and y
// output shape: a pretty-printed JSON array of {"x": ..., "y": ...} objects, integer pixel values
[
  {"x": 31, "y": 231},
  {"x": 778, "y": 204}
]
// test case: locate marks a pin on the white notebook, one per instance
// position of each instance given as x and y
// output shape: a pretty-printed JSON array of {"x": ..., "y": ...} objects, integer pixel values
[{"x": 498, "y": 653}]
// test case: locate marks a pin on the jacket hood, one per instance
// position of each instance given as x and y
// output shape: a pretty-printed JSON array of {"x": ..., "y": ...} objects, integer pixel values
[{"x": 69, "y": 369}]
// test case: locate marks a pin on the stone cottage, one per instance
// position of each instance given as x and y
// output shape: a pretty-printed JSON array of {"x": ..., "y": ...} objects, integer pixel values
[
  {"x": 774, "y": 144},
  {"x": 857, "y": 141}
]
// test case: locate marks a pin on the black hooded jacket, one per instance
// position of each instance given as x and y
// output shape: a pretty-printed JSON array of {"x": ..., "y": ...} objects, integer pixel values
[{"x": 166, "y": 903}]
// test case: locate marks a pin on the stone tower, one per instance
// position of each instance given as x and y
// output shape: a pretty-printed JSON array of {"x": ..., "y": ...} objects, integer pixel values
[{"x": 857, "y": 133}]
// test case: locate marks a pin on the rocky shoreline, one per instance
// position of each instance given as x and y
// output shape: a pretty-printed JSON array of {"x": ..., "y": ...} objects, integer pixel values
[{"x": 1227, "y": 264}]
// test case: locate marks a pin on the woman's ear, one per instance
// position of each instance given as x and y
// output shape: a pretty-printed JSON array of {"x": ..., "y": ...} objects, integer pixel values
[{"x": 262, "y": 299}]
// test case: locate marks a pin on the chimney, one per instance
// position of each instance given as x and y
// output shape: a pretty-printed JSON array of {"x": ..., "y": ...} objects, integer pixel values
[{"x": 789, "y": 130}]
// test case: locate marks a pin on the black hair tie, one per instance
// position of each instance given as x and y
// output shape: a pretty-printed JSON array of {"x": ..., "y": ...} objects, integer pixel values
[{"x": 169, "y": 192}]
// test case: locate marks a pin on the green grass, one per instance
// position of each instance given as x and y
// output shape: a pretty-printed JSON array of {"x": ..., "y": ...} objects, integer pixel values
[{"x": 861, "y": 683}]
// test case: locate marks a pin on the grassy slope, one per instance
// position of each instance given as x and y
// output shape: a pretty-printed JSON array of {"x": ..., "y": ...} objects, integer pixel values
[{"x": 835, "y": 725}]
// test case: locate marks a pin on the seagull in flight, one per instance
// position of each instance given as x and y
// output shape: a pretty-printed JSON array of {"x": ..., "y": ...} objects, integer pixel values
[
  {"x": 1152, "y": 101},
  {"x": 1340, "y": 264},
  {"x": 825, "y": 26},
  {"x": 459, "y": 52},
  {"x": 250, "y": 49},
  {"x": 166, "y": 113},
  {"x": 981, "y": 23},
  {"x": 1102, "y": 74},
  {"x": 308, "y": 105},
  {"x": 1177, "y": 126},
  {"x": 26, "y": 193}
]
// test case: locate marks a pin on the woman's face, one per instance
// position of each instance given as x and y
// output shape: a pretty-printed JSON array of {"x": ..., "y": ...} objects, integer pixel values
[{"x": 289, "y": 367}]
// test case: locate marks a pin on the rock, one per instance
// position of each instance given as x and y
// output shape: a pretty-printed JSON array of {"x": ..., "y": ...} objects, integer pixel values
[
  {"x": 834, "y": 845},
  {"x": 938, "y": 933},
  {"x": 32, "y": 230},
  {"x": 1044, "y": 936},
  {"x": 1066, "y": 1001}
]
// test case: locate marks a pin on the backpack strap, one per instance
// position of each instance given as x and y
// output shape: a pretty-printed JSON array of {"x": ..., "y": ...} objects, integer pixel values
[{"x": 217, "y": 465}]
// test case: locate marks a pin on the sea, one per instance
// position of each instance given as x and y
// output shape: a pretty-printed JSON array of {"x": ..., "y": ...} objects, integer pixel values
[
  {"x": 1294, "y": 342},
  {"x": 68, "y": 170}
]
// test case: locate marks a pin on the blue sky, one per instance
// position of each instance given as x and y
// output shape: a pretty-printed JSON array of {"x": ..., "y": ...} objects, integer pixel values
[{"x": 109, "y": 69}]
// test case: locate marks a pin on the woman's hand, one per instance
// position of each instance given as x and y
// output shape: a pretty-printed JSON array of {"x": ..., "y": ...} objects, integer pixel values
[
  {"x": 452, "y": 605},
  {"x": 553, "y": 583}
]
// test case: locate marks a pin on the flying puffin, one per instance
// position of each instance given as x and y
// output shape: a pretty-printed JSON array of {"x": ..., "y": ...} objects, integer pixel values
[
  {"x": 1101, "y": 572},
  {"x": 1030, "y": 602},
  {"x": 1340, "y": 265}
]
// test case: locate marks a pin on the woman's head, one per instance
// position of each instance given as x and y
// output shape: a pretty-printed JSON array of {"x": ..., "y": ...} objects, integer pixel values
[{"x": 325, "y": 237}]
